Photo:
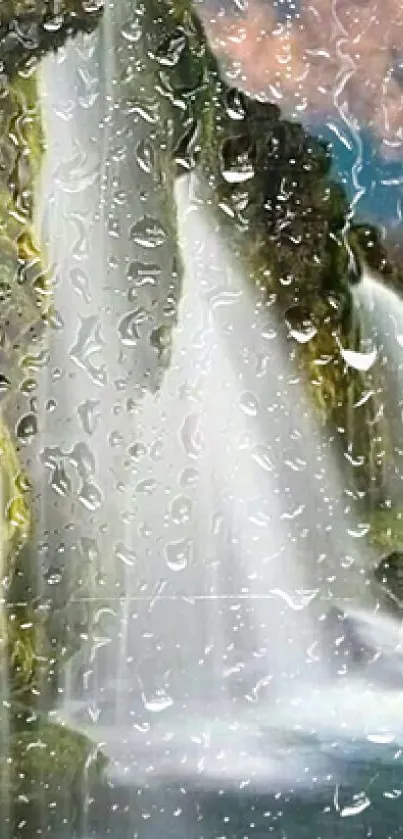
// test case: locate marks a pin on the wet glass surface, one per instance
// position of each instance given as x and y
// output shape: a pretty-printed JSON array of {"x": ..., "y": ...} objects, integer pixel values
[{"x": 201, "y": 536}]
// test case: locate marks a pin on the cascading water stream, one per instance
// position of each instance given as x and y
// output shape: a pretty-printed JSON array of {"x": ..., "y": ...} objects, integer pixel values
[{"x": 381, "y": 312}]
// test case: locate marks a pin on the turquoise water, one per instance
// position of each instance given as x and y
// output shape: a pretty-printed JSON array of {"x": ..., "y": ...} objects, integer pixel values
[{"x": 362, "y": 800}]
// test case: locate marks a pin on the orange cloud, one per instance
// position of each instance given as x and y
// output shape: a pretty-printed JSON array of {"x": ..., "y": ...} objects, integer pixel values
[{"x": 335, "y": 57}]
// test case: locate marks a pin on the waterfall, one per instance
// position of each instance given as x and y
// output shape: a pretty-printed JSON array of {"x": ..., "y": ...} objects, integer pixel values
[
  {"x": 210, "y": 514},
  {"x": 381, "y": 311}
]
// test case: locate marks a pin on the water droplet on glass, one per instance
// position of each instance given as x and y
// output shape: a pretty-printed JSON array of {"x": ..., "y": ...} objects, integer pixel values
[
  {"x": 261, "y": 454},
  {"x": 126, "y": 556},
  {"x": 178, "y": 554},
  {"x": 362, "y": 361},
  {"x": 90, "y": 496},
  {"x": 115, "y": 439},
  {"x": 5, "y": 384},
  {"x": 249, "y": 404},
  {"x": 83, "y": 459},
  {"x": 146, "y": 487},
  {"x": 53, "y": 577},
  {"x": 129, "y": 327},
  {"x": 81, "y": 283},
  {"x": 148, "y": 233},
  {"x": 132, "y": 31},
  {"x": 145, "y": 156},
  {"x": 303, "y": 335},
  {"x": 60, "y": 483},
  {"x": 189, "y": 477},
  {"x": 27, "y": 428},
  {"x": 157, "y": 703},
  {"x": 137, "y": 451},
  {"x": 180, "y": 509},
  {"x": 88, "y": 344},
  {"x": 191, "y": 436},
  {"x": 89, "y": 415}
]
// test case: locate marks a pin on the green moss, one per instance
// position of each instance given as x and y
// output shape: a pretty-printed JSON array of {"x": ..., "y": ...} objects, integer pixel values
[
  {"x": 52, "y": 753},
  {"x": 15, "y": 519},
  {"x": 54, "y": 23},
  {"x": 48, "y": 773},
  {"x": 386, "y": 528}
]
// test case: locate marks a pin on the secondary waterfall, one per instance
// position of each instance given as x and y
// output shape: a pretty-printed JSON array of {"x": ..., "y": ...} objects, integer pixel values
[{"x": 381, "y": 311}]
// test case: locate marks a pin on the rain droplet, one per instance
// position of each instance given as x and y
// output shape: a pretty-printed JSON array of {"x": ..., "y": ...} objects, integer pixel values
[
  {"x": 303, "y": 335},
  {"x": 28, "y": 386},
  {"x": 128, "y": 327},
  {"x": 82, "y": 458},
  {"x": 126, "y": 556},
  {"x": 180, "y": 509},
  {"x": 148, "y": 233},
  {"x": 5, "y": 384},
  {"x": 159, "y": 702},
  {"x": 261, "y": 454},
  {"x": 115, "y": 439},
  {"x": 27, "y": 428},
  {"x": 81, "y": 283},
  {"x": 191, "y": 435},
  {"x": 137, "y": 451},
  {"x": 146, "y": 487},
  {"x": 88, "y": 343},
  {"x": 132, "y": 31},
  {"x": 60, "y": 483},
  {"x": 89, "y": 414},
  {"x": 53, "y": 577},
  {"x": 249, "y": 404},
  {"x": 90, "y": 496},
  {"x": 145, "y": 156},
  {"x": 362, "y": 361},
  {"x": 178, "y": 554},
  {"x": 189, "y": 477},
  {"x": 143, "y": 273}
]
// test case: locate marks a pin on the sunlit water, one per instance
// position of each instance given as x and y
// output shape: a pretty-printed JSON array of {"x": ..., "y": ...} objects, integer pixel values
[{"x": 212, "y": 515}]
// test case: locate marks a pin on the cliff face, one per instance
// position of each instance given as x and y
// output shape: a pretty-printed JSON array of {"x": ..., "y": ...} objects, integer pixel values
[{"x": 29, "y": 29}]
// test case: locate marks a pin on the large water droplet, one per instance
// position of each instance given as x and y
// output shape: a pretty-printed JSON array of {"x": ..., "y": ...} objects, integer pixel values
[
  {"x": 362, "y": 361},
  {"x": 132, "y": 31},
  {"x": 178, "y": 554},
  {"x": 137, "y": 451},
  {"x": 248, "y": 403},
  {"x": 180, "y": 509},
  {"x": 27, "y": 427},
  {"x": 148, "y": 233},
  {"x": 160, "y": 701},
  {"x": 90, "y": 496},
  {"x": 129, "y": 327}
]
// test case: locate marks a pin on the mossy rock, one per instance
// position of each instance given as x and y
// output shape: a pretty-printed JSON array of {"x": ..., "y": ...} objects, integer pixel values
[
  {"x": 47, "y": 772},
  {"x": 389, "y": 573},
  {"x": 29, "y": 29},
  {"x": 386, "y": 528},
  {"x": 15, "y": 518}
]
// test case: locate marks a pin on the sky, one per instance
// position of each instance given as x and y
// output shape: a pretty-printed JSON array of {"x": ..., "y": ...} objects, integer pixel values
[{"x": 336, "y": 66}]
